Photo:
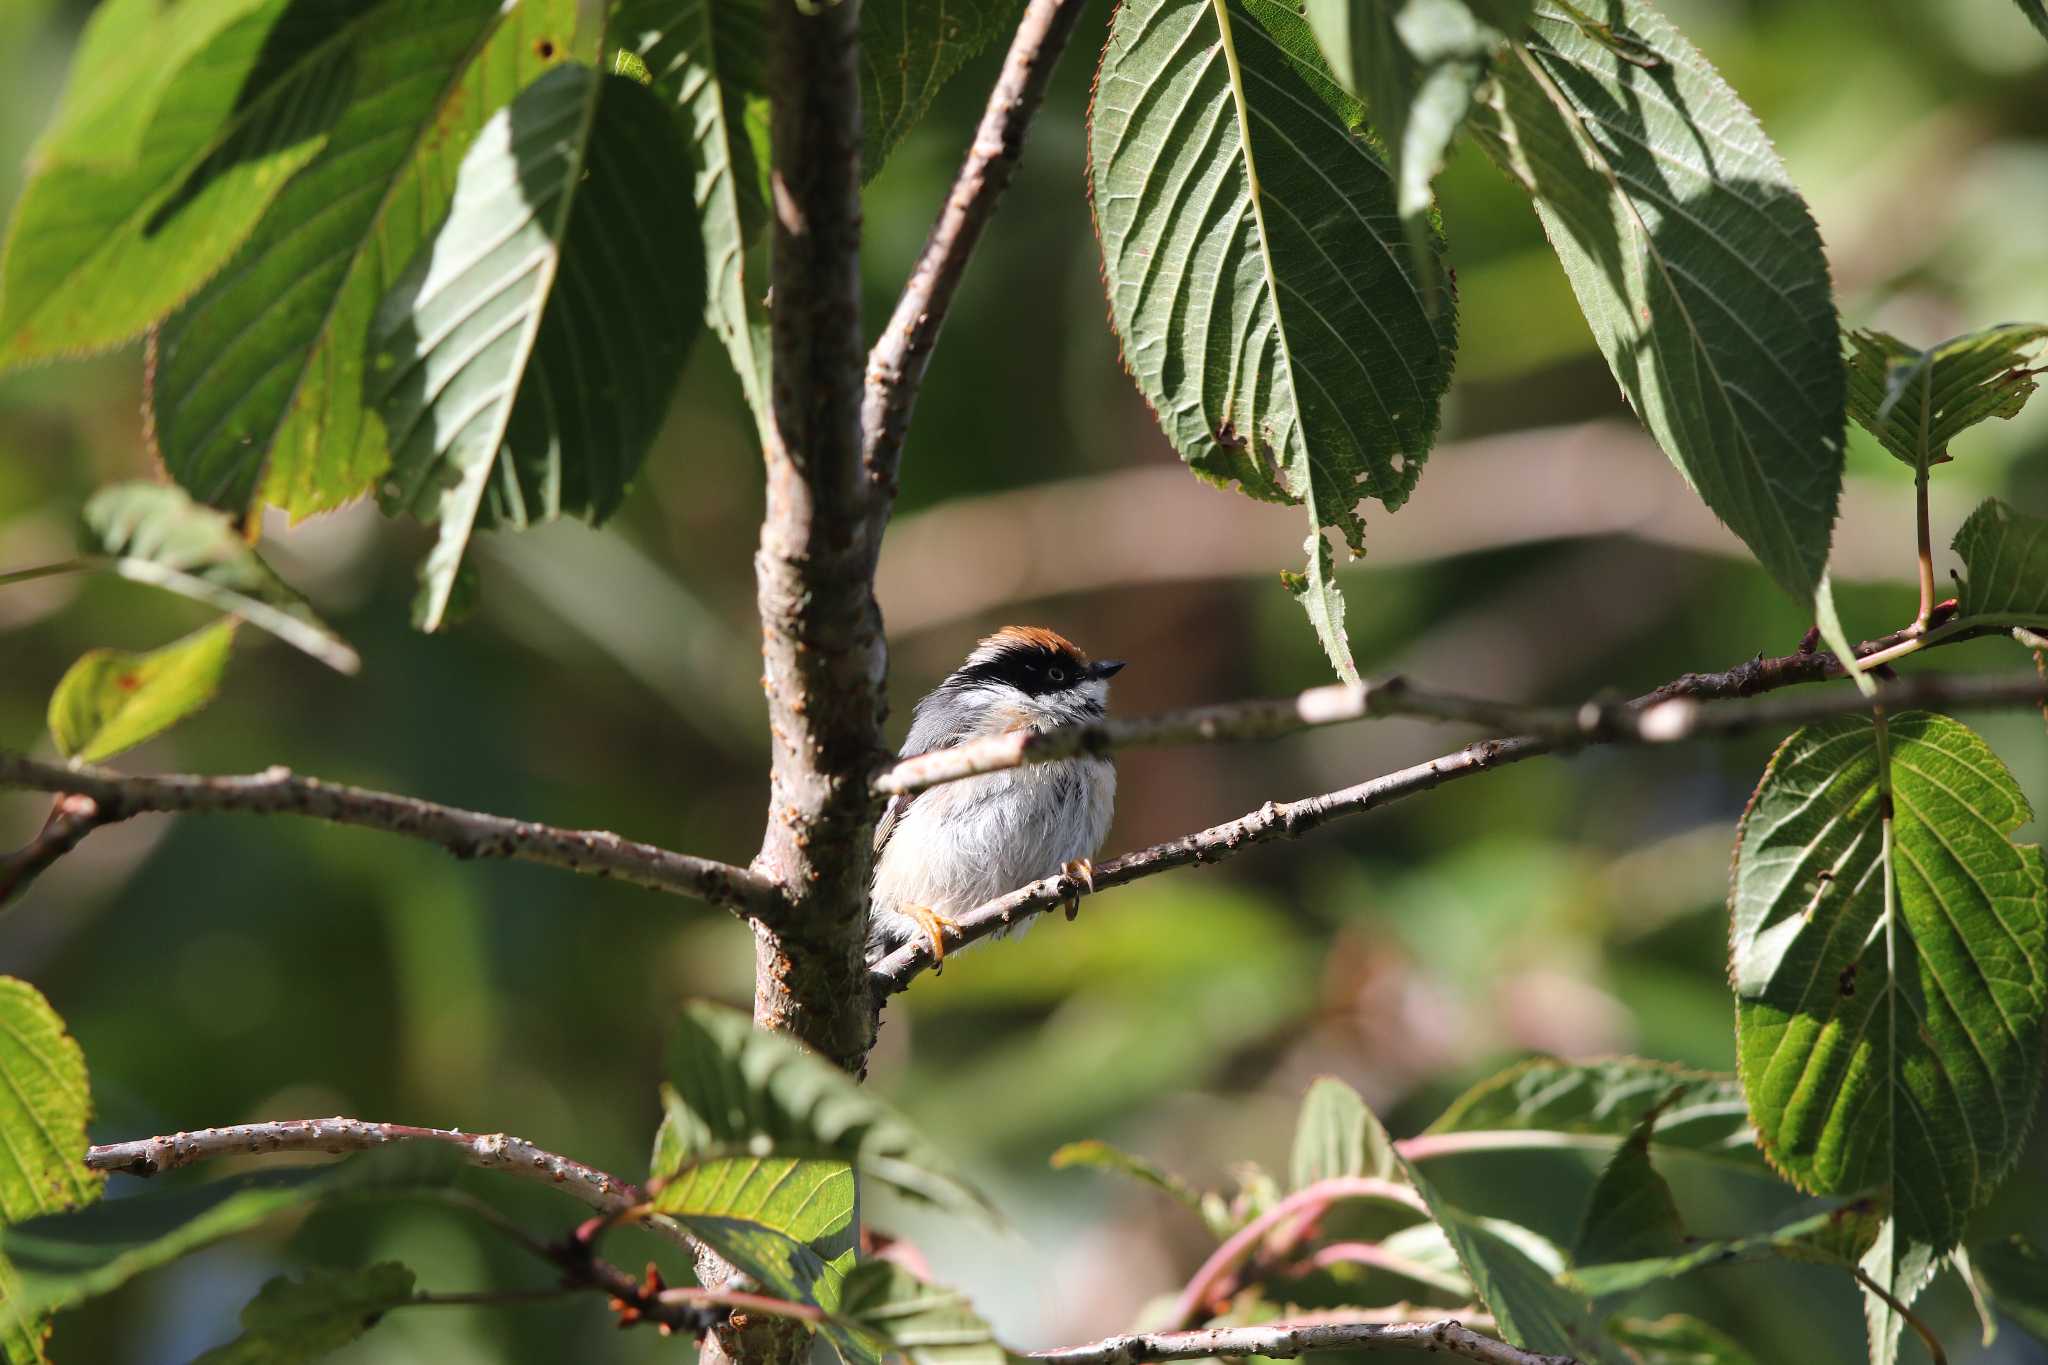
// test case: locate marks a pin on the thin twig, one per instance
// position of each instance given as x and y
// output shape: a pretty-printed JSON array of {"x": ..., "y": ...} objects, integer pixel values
[
  {"x": 1292, "y": 819},
  {"x": 1284, "y": 1341},
  {"x": 896, "y": 366},
  {"x": 465, "y": 833},
  {"x": 1919, "y": 1325},
  {"x": 72, "y": 817}
]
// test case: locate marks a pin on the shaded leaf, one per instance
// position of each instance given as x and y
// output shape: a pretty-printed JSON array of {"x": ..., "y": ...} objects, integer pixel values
[
  {"x": 2036, "y": 12},
  {"x": 1630, "y": 1215},
  {"x": 928, "y": 1323},
  {"x": 1916, "y": 1081},
  {"x": 1705, "y": 1114},
  {"x": 909, "y": 51},
  {"x": 1915, "y": 402},
  {"x": 1838, "y": 1237},
  {"x": 742, "y": 1092},
  {"x": 256, "y": 383},
  {"x": 1678, "y": 1340},
  {"x": 295, "y": 1320},
  {"x": 1256, "y": 272},
  {"x": 111, "y": 700},
  {"x": 2015, "y": 1275},
  {"x": 98, "y": 250},
  {"x": 1337, "y": 1135},
  {"x": 157, "y": 535},
  {"x": 2005, "y": 564},
  {"x": 1102, "y": 1156},
  {"x": 524, "y": 361},
  {"x": 1696, "y": 264}
]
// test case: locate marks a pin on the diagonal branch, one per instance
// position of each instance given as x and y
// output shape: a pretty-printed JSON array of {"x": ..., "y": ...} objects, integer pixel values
[
  {"x": 465, "y": 833},
  {"x": 896, "y": 365},
  {"x": 1668, "y": 712},
  {"x": 1284, "y": 1341},
  {"x": 72, "y": 817}
]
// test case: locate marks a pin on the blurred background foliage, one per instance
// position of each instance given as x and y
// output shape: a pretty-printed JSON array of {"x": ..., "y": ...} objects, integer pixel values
[{"x": 227, "y": 969}]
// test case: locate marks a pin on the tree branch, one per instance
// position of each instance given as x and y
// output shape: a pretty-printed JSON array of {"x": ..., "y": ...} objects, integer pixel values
[
  {"x": 72, "y": 817},
  {"x": 465, "y": 833},
  {"x": 896, "y": 366},
  {"x": 1284, "y": 1341},
  {"x": 1652, "y": 712}
]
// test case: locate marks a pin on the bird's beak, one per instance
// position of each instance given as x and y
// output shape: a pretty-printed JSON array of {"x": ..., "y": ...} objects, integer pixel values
[{"x": 1105, "y": 668}]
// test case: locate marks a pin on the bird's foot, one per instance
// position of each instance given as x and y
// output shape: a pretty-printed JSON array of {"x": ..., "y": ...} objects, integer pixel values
[
  {"x": 935, "y": 926},
  {"x": 1081, "y": 870}
]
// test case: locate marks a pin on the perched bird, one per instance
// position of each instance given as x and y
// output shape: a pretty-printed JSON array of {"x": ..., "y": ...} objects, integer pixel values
[{"x": 947, "y": 849}]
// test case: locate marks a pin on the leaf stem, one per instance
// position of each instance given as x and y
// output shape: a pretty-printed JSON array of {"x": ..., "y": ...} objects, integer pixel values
[
  {"x": 1918, "y": 1324},
  {"x": 30, "y": 574}
]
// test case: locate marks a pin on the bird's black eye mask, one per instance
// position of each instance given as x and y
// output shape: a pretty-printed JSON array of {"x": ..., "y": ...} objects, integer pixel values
[{"x": 1034, "y": 670}]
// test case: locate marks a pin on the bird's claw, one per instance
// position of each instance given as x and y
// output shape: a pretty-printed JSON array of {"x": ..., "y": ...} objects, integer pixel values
[
  {"x": 1081, "y": 870},
  {"x": 935, "y": 926}
]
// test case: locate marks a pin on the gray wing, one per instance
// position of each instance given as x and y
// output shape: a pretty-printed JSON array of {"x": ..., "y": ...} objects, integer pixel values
[{"x": 924, "y": 737}]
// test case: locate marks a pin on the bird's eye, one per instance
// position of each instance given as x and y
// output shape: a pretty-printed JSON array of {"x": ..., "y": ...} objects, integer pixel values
[{"x": 1057, "y": 674}]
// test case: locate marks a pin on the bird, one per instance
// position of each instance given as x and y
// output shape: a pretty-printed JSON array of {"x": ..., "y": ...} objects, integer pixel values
[{"x": 944, "y": 850}]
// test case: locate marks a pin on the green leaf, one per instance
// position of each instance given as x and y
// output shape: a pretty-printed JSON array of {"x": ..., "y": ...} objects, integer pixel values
[
  {"x": 156, "y": 535},
  {"x": 1337, "y": 1135},
  {"x": 256, "y": 385},
  {"x": 1915, "y": 402},
  {"x": 1898, "y": 1055},
  {"x": 928, "y": 1323},
  {"x": 1706, "y": 1113},
  {"x": 524, "y": 361},
  {"x": 296, "y": 1320},
  {"x": 72, "y": 1258},
  {"x": 1103, "y": 1157},
  {"x": 909, "y": 51},
  {"x": 1694, "y": 260},
  {"x": 2015, "y": 1274},
  {"x": 99, "y": 250},
  {"x": 1631, "y": 1215},
  {"x": 44, "y": 1109},
  {"x": 2036, "y": 12},
  {"x": 1678, "y": 1340},
  {"x": 111, "y": 700},
  {"x": 1903, "y": 1265},
  {"x": 1837, "y": 1237},
  {"x": 2005, "y": 564},
  {"x": 742, "y": 1092},
  {"x": 705, "y": 56},
  {"x": 1256, "y": 272}
]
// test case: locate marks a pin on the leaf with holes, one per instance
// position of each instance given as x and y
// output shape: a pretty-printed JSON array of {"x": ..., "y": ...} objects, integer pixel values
[
  {"x": 1694, "y": 260},
  {"x": 1706, "y": 1113},
  {"x": 156, "y": 535},
  {"x": 742, "y": 1092},
  {"x": 256, "y": 383},
  {"x": 111, "y": 700},
  {"x": 1915, "y": 402},
  {"x": 926, "y": 1323},
  {"x": 524, "y": 361},
  {"x": 1892, "y": 1054},
  {"x": 2005, "y": 565},
  {"x": 292, "y": 1321},
  {"x": 100, "y": 249},
  {"x": 1257, "y": 276}
]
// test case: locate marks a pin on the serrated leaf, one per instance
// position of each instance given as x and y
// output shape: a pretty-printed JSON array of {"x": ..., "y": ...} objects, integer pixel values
[
  {"x": 1706, "y": 1113},
  {"x": 907, "y": 53},
  {"x": 1103, "y": 1157},
  {"x": 1258, "y": 279},
  {"x": 1837, "y": 1237},
  {"x": 1917, "y": 1079},
  {"x": 291, "y": 1321},
  {"x": 2005, "y": 564},
  {"x": 71, "y": 1258},
  {"x": 927, "y": 1323},
  {"x": 155, "y": 534},
  {"x": 742, "y": 1092},
  {"x": 1915, "y": 402},
  {"x": 2015, "y": 1275},
  {"x": 1678, "y": 1340},
  {"x": 1630, "y": 1216},
  {"x": 524, "y": 361},
  {"x": 1696, "y": 264},
  {"x": 44, "y": 1108},
  {"x": 99, "y": 250},
  {"x": 1337, "y": 1135},
  {"x": 111, "y": 700},
  {"x": 256, "y": 383},
  {"x": 1902, "y": 1265}
]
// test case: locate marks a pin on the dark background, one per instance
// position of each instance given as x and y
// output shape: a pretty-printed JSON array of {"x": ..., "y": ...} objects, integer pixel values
[{"x": 226, "y": 969}]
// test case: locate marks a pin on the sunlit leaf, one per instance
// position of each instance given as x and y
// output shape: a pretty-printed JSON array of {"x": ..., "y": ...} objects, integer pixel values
[
  {"x": 156, "y": 535},
  {"x": 2005, "y": 564},
  {"x": 1257, "y": 274},
  {"x": 256, "y": 383},
  {"x": 928, "y": 1323},
  {"x": 743, "y": 1092},
  {"x": 98, "y": 250},
  {"x": 1915, "y": 402},
  {"x": 1103, "y": 1157},
  {"x": 111, "y": 700},
  {"x": 1336, "y": 1135},
  {"x": 1695, "y": 262},
  {"x": 524, "y": 361},
  {"x": 1902, "y": 1054},
  {"x": 44, "y": 1108},
  {"x": 2015, "y": 1274},
  {"x": 1902, "y": 1265},
  {"x": 295, "y": 1320}
]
